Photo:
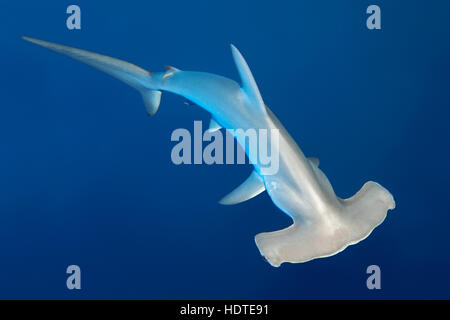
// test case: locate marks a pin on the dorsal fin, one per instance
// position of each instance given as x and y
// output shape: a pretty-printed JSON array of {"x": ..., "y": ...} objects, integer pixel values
[
  {"x": 250, "y": 188},
  {"x": 248, "y": 82}
]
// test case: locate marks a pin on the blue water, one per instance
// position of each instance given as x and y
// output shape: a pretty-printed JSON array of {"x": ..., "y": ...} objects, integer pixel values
[{"x": 86, "y": 176}]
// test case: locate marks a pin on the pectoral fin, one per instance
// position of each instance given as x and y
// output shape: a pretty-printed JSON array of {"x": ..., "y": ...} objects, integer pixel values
[
  {"x": 250, "y": 188},
  {"x": 213, "y": 125},
  {"x": 314, "y": 161}
]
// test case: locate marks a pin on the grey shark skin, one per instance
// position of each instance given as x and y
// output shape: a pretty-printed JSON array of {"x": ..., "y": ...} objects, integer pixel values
[{"x": 323, "y": 224}]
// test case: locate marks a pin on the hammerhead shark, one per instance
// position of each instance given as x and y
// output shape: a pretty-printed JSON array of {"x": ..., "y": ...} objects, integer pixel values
[{"x": 323, "y": 224}]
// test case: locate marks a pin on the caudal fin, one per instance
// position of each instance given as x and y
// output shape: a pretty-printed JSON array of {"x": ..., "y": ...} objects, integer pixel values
[
  {"x": 129, "y": 73},
  {"x": 351, "y": 223}
]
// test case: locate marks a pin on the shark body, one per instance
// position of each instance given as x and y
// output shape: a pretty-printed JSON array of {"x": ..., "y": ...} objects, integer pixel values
[{"x": 323, "y": 224}]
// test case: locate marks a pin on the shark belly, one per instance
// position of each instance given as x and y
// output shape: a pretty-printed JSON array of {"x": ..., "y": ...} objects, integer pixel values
[{"x": 295, "y": 188}]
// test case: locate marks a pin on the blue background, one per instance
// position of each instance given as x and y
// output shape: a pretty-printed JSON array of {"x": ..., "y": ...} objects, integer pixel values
[{"x": 86, "y": 176}]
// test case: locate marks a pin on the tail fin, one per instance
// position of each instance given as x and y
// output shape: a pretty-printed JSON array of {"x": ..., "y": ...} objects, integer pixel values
[
  {"x": 129, "y": 73},
  {"x": 353, "y": 222}
]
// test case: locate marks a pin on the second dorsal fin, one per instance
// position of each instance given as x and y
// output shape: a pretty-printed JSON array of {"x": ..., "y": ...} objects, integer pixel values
[{"x": 170, "y": 71}]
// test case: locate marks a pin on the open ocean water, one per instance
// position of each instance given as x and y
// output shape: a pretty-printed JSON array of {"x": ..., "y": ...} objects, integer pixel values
[{"x": 86, "y": 177}]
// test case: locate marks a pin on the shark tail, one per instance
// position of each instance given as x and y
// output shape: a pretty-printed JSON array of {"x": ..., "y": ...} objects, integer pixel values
[
  {"x": 129, "y": 73},
  {"x": 352, "y": 222}
]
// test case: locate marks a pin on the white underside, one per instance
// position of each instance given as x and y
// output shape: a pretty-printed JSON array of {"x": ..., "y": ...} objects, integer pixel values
[{"x": 353, "y": 222}]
